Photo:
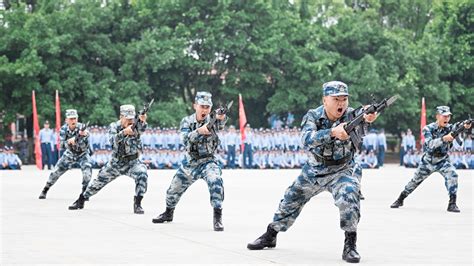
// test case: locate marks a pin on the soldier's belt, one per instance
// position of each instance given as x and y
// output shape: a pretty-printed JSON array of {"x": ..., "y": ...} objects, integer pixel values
[
  {"x": 199, "y": 157},
  {"x": 332, "y": 162},
  {"x": 129, "y": 157}
]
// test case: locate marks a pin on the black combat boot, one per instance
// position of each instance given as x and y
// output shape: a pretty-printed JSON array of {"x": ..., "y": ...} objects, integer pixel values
[
  {"x": 452, "y": 207},
  {"x": 137, "y": 205},
  {"x": 218, "y": 226},
  {"x": 43, "y": 193},
  {"x": 361, "y": 197},
  {"x": 399, "y": 201},
  {"x": 350, "y": 253},
  {"x": 78, "y": 204},
  {"x": 167, "y": 216},
  {"x": 267, "y": 240},
  {"x": 84, "y": 190}
]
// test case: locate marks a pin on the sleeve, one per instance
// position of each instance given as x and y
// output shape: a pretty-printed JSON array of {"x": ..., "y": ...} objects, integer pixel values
[
  {"x": 62, "y": 138},
  {"x": 115, "y": 136},
  {"x": 186, "y": 134},
  {"x": 311, "y": 136},
  {"x": 431, "y": 142}
]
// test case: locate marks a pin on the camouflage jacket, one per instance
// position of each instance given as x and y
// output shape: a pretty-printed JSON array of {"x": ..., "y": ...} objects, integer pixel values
[
  {"x": 82, "y": 142},
  {"x": 123, "y": 146},
  {"x": 199, "y": 146},
  {"x": 316, "y": 137},
  {"x": 434, "y": 148}
]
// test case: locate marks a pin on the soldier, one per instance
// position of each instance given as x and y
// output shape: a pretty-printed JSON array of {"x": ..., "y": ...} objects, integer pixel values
[
  {"x": 126, "y": 145},
  {"x": 76, "y": 145},
  {"x": 438, "y": 142},
  {"x": 329, "y": 168},
  {"x": 200, "y": 161}
]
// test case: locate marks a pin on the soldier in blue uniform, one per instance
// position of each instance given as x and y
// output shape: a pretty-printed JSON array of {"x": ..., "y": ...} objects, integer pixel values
[
  {"x": 200, "y": 161},
  {"x": 126, "y": 146},
  {"x": 330, "y": 168},
  {"x": 438, "y": 142},
  {"x": 75, "y": 143}
]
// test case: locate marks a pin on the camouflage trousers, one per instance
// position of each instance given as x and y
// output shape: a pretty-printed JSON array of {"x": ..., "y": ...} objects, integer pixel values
[
  {"x": 358, "y": 172},
  {"x": 187, "y": 175},
  {"x": 425, "y": 169},
  {"x": 114, "y": 168},
  {"x": 65, "y": 163},
  {"x": 343, "y": 186}
]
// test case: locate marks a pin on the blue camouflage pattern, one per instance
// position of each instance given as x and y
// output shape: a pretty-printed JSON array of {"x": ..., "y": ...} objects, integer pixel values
[
  {"x": 358, "y": 172},
  {"x": 74, "y": 154},
  {"x": 316, "y": 137},
  {"x": 343, "y": 186},
  {"x": 193, "y": 168},
  {"x": 317, "y": 177},
  {"x": 435, "y": 158},
  {"x": 124, "y": 161}
]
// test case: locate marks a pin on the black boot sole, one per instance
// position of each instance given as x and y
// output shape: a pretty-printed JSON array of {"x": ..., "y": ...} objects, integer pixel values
[
  {"x": 220, "y": 229},
  {"x": 75, "y": 208},
  {"x": 156, "y": 221},
  {"x": 259, "y": 247},
  {"x": 351, "y": 260}
]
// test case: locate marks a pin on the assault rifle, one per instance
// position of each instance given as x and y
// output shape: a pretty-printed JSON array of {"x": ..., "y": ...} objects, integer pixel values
[
  {"x": 458, "y": 128},
  {"x": 222, "y": 110},
  {"x": 354, "y": 127},
  {"x": 82, "y": 128},
  {"x": 146, "y": 108}
]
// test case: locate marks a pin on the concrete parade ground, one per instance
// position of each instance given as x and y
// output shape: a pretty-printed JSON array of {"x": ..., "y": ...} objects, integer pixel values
[{"x": 106, "y": 231}]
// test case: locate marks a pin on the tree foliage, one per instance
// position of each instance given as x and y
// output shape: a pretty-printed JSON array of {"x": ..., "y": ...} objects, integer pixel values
[{"x": 277, "y": 54}]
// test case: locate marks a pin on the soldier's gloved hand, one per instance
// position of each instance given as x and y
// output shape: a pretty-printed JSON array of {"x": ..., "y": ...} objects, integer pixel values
[
  {"x": 71, "y": 141},
  {"x": 339, "y": 132},
  {"x": 203, "y": 130},
  {"x": 448, "y": 138},
  {"x": 128, "y": 131},
  {"x": 142, "y": 118},
  {"x": 220, "y": 117}
]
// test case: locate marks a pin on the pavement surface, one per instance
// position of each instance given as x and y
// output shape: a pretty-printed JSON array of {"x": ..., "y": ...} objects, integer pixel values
[{"x": 106, "y": 231}]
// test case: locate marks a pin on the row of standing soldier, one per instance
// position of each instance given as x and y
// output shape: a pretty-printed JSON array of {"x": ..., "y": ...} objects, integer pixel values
[{"x": 329, "y": 132}]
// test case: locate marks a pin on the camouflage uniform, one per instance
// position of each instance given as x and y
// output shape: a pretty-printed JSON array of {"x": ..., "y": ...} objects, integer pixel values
[
  {"x": 330, "y": 167},
  {"x": 74, "y": 154},
  {"x": 435, "y": 159},
  {"x": 317, "y": 176},
  {"x": 124, "y": 161},
  {"x": 199, "y": 163}
]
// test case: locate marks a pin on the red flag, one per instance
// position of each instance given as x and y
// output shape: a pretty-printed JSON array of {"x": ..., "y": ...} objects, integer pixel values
[
  {"x": 58, "y": 119},
  {"x": 422, "y": 120},
  {"x": 242, "y": 121},
  {"x": 36, "y": 128}
]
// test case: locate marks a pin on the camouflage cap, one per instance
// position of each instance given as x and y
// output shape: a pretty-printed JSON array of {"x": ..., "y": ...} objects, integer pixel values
[
  {"x": 203, "y": 98},
  {"x": 128, "y": 111},
  {"x": 335, "y": 88},
  {"x": 71, "y": 113},
  {"x": 443, "y": 110}
]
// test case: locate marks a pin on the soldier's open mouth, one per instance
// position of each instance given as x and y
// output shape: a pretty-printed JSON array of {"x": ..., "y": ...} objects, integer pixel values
[
  {"x": 203, "y": 115},
  {"x": 339, "y": 110}
]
